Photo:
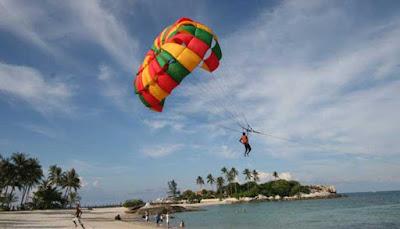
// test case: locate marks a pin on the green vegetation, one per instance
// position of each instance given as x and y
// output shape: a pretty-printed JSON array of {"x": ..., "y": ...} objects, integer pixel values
[
  {"x": 250, "y": 188},
  {"x": 200, "y": 181},
  {"x": 133, "y": 203},
  {"x": 173, "y": 188},
  {"x": 22, "y": 173}
]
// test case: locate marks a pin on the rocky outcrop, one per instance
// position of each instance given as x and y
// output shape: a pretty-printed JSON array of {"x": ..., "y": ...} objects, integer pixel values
[
  {"x": 162, "y": 209},
  {"x": 162, "y": 205},
  {"x": 322, "y": 188}
]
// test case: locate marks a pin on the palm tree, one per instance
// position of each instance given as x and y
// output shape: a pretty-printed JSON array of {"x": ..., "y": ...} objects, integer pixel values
[
  {"x": 247, "y": 177},
  {"x": 234, "y": 174},
  {"x": 70, "y": 181},
  {"x": 224, "y": 170},
  {"x": 230, "y": 178},
  {"x": 35, "y": 175},
  {"x": 55, "y": 176},
  {"x": 73, "y": 197},
  {"x": 200, "y": 181},
  {"x": 255, "y": 176},
  {"x": 220, "y": 183},
  {"x": 9, "y": 199},
  {"x": 19, "y": 171},
  {"x": 7, "y": 173},
  {"x": 275, "y": 174},
  {"x": 210, "y": 180}
]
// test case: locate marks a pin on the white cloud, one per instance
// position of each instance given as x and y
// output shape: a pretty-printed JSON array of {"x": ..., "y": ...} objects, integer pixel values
[
  {"x": 40, "y": 129},
  {"x": 96, "y": 183},
  {"x": 104, "y": 28},
  {"x": 114, "y": 89},
  {"x": 302, "y": 77},
  {"x": 285, "y": 176},
  {"x": 75, "y": 20},
  {"x": 226, "y": 152},
  {"x": 31, "y": 86},
  {"x": 176, "y": 123},
  {"x": 21, "y": 20},
  {"x": 265, "y": 177},
  {"x": 161, "y": 151},
  {"x": 78, "y": 165}
]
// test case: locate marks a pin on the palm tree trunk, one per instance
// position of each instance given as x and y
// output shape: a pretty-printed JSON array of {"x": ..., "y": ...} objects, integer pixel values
[
  {"x": 12, "y": 190},
  {"x": 6, "y": 190},
  {"x": 23, "y": 196},
  {"x": 27, "y": 194}
]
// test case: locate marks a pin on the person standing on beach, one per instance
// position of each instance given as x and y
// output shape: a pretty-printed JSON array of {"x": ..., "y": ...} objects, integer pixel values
[
  {"x": 157, "y": 217},
  {"x": 245, "y": 141},
  {"x": 147, "y": 217},
  {"x": 167, "y": 219},
  {"x": 77, "y": 217}
]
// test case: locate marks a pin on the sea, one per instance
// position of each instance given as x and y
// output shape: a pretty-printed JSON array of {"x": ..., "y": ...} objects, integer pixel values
[{"x": 370, "y": 210}]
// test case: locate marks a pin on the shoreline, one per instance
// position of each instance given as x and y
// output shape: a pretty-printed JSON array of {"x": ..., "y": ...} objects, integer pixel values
[
  {"x": 154, "y": 208},
  {"x": 102, "y": 218}
]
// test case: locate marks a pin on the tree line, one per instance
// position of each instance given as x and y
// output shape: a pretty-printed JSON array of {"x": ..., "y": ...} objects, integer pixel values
[
  {"x": 230, "y": 176},
  {"x": 22, "y": 173},
  {"x": 227, "y": 187}
]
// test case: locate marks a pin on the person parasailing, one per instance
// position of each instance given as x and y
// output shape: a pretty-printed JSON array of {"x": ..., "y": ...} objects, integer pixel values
[{"x": 245, "y": 141}]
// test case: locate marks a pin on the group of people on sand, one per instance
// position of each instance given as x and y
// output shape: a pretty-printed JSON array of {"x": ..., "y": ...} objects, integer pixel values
[{"x": 159, "y": 218}]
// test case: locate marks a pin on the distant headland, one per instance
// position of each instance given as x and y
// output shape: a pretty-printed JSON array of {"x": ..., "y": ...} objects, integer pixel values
[{"x": 228, "y": 191}]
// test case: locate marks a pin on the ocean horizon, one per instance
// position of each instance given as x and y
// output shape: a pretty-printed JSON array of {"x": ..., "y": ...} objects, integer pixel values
[{"x": 358, "y": 210}]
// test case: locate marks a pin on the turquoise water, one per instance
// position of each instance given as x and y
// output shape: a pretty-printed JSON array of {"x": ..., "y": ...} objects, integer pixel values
[{"x": 358, "y": 210}]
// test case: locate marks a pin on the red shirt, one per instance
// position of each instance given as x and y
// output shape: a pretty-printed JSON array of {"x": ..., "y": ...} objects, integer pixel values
[{"x": 244, "y": 139}]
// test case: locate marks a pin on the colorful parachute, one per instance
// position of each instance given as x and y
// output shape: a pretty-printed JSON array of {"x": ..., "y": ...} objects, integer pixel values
[{"x": 176, "y": 52}]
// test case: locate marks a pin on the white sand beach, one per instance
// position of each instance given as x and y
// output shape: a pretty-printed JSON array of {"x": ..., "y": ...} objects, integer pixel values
[{"x": 96, "y": 218}]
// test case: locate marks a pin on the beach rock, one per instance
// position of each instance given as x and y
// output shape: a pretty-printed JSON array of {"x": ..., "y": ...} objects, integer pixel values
[
  {"x": 261, "y": 197},
  {"x": 210, "y": 200},
  {"x": 271, "y": 198},
  {"x": 277, "y": 197},
  {"x": 290, "y": 198},
  {"x": 134, "y": 209},
  {"x": 165, "y": 200},
  {"x": 246, "y": 199},
  {"x": 322, "y": 188},
  {"x": 163, "y": 209}
]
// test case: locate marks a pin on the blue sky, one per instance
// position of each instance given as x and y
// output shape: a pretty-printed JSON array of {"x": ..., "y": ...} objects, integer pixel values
[{"x": 318, "y": 72}]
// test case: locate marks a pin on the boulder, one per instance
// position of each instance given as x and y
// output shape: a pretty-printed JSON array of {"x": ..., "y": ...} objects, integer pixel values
[
  {"x": 246, "y": 199},
  {"x": 261, "y": 197}
]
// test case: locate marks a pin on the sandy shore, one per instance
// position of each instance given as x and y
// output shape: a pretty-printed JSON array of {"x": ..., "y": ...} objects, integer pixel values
[{"x": 96, "y": 218}]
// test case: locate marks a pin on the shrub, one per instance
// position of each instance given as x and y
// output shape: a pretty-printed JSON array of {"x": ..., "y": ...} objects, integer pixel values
[
  {"x": 48, "y": 198},
  {"x": 133, "y": 203}
]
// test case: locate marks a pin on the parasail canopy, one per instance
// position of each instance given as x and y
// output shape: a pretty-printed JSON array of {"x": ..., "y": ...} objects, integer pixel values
[{"x": 175, "y": 53}]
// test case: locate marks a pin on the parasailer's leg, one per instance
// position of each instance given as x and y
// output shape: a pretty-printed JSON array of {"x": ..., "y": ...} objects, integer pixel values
[{"x": 248, "y": 149}]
